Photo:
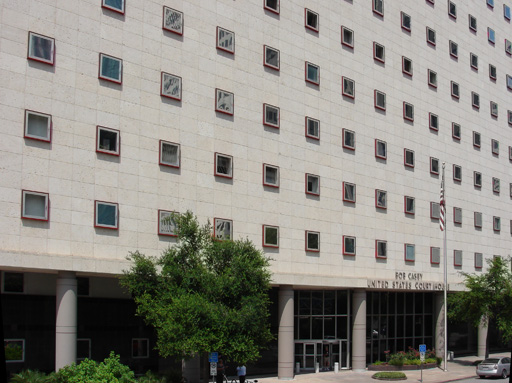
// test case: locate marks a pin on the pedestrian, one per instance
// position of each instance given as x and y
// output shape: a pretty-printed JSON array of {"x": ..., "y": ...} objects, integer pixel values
[
  {"x": 241, "y": 371},
  {"x": 221, "y": 370}
]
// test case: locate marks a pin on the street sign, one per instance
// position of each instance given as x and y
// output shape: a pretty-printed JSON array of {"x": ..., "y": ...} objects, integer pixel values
[
  {"x": 423, "y": 348},
  {"x": 422, "y": 356},
  {"x": 213, "y": 368},
  {"x": 213, "y": 357}
]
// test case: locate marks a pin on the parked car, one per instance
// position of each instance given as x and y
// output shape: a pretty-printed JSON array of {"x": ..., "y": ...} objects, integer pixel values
[{"x": 494, "y": 367}]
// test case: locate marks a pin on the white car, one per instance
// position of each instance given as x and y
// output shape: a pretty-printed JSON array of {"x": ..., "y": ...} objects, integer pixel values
[{"x": 494, "y": 367}]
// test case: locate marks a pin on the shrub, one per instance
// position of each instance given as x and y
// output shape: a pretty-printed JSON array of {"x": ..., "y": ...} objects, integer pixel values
[
  {"x": 378, "y": 363},
  {"x": 389, "y": 375},
  {"x": 29, "y": 376},
  {"x": 151, "y": 377},
  {"x": 412, "y": 362}
]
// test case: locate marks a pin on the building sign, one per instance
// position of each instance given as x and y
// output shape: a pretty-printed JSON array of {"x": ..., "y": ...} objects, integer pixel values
[{"x": 405, "y": 281}]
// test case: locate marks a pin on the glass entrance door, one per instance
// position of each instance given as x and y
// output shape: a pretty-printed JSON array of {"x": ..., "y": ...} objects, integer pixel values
[{"x": 310, "y": 352}]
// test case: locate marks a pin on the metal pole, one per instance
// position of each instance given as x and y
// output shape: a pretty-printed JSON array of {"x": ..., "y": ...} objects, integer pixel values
[{"x": 445, "y": 278}]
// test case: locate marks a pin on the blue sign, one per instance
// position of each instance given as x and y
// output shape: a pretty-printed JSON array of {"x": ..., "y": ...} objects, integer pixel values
[
  {"x": 423, "y": 348},
  {"x": 213, "y": 357}
]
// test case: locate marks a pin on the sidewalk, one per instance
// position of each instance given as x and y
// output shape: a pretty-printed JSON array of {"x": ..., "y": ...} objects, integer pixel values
[{"x": 460, "y": 368}]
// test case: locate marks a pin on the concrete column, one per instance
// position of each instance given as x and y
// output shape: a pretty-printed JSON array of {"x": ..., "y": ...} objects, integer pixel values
[
  {"x": 65, "y": 320},
  {"x": 359, "y": 331},
  {"x": 285, "y": 341},
  {"x": 482, "y": 339},
  {"x": 439, "y": 321}
]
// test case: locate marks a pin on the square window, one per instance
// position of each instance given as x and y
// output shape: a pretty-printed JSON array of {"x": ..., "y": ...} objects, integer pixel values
[
  {"x": 433, "y": 121},
  {"x": 508, "y": 46},
  {"x": 312, "y": 184},
  {"x": 473, "y": 60},
  {"x": 506, "y": 12},
  {"x": 312, "y": 241},
  {"x": 379, "y": 52},
  {"x": 381, "y": 149},
  {"x": 456, "y": 134},
  {"x": 434, "y": 210},
  {"x": 491, "y": 35},
  {"x": 409, "y": 252},
  {"x": 492, "y": 72},
  {"x": 477, "y": 141},
  {"x": 35, "y": 205},
  {"x": 271, "y": 5},
  {"x": 106, "y": 215},
  {"x": 494, "y": 109},
  {"x": 224, "y": 102},
  {"x": 381, "y": 199},
  {"x": 379, "y": 99},
  {"x": 510, "y": 190},
  {"x": 509, "y": 81},
  {"x": 475, "y": 100},
  {"x": 270, "y": 236},
  {"x": 223, "y": 165},
  {"x": 509, "y": 116},
  {"x": 510, "y": 153},
  {"x": 490, "y": 3},
  {"x": 496, "y": 185},
  {"x": 271, "y": 175},
  {"x": 434, "y": 165},
  {"x": 41, "y": 48},
  {"x": 406, "y": 66},
  {"x": 495, "y": 147},
  {"x": 222, "y": 229},
  {"x": 457, "y": 173},
  {"x": 170, "y": 154},
  {"x": 349, "y": 245},
  {"x": 378, "y": 7},
  {"x": 381, "y": 249},
  {"x": 349, "y": 192},
  {"x": 38, "y": 126},
  {"x": 349, "y": 139},
  {"x": 496, "y": 223},
  {"x": 83, "y": 348},
  {"x": 455, "y": 89},
  {"x": 409, "y": 205},
  {"x": 166, "y": 223},
  {"x": 454, "y": 49},
  {"x": 479, "y": 260},
  {"x": 457, "y": 258},
  {"x": 272, "y": 59},
  {"x": 170, "y": 86},
  {"x": 271, "y": 115},
  {"x": 408, "y": 111},
  {"x": 409, "y": 158},
  {"x": 431, "y": 36},
  {"x": 472, "y": 23},
  {"x": 432, "y": 78},
  {"x": 108, "y": 141},
  {"x": 477, "y": 179},
  {"x": 14, "y": 350},
  {"x": 478, "y": 219},
  {"x": 452, "y": 9},
  {"x": 457, "y": 215},
  {"x": 225, "y": 40},
  {"x": 435, "y": 255},
  {"x": 312, "y": 128},
  {"x": 111, "y": 69},
  {"x": 140, "y": 348},
  {"x": 405, "y": 21},
  {"x": 113, "y": 5},
  {"x": 347, "y": 37},
  {"x": 173, "y": 20},
  {"x": 311, "y": 20},
  {"x": 349, "y": 87},
  {"x": 312, "y": 73}
]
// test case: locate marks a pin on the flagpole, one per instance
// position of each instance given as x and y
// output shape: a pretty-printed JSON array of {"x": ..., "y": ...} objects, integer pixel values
[{"x": 445, "y": 277}]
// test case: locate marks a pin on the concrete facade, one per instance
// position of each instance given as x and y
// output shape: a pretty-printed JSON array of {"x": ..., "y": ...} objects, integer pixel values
[{"x": 75, "y": 175}]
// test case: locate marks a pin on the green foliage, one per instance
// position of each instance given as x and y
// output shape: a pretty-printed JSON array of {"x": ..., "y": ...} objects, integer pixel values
[
  {"x": 151, "y": 377},
  {"x": 13, "y": 351},
  {"x": 203, "y": 295},
  {"x": 488, "y": 296},
  {"x": 89, "y": 371},
  {"x": 29, "y": 376},
  {"x": 378, "y": 363},
  {"x": 389, "y": 375}
]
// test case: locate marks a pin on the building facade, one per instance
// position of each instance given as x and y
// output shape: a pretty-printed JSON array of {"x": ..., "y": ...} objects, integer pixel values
[{"x": 318, "y": 129}]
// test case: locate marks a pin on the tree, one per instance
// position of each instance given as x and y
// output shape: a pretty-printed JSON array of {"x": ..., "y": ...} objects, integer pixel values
[
  {"x": 488, "y": 297},
  {"x": 203, "y": 295}
]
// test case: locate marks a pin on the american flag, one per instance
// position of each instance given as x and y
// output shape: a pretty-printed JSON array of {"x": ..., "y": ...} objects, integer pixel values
[{"x": 442, "y": 207}]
